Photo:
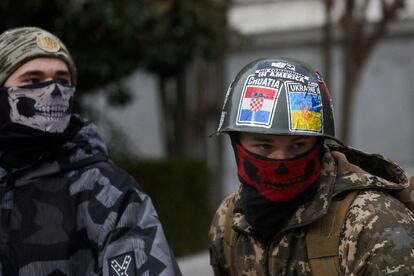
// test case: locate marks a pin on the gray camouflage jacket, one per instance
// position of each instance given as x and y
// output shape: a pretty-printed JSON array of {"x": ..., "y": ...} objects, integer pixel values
[
  {"x": 76, "y": 213},
  {"x": 377, "y": 237}
]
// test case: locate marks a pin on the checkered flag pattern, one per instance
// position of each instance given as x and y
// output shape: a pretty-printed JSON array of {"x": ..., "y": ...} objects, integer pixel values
[{"x": 256, "y": 104}]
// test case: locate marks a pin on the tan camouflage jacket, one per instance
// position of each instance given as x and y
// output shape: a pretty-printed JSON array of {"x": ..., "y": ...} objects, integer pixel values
[{"x": 377, "y": 236}]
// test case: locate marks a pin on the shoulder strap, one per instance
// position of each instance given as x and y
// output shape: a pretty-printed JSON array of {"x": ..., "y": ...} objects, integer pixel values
[
  {"x": 229, "y": 238},
  {"x": 322, "y": 238}
]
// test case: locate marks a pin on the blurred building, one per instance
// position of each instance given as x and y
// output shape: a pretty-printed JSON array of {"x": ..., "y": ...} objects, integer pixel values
[{"x": 383, "y": 115}]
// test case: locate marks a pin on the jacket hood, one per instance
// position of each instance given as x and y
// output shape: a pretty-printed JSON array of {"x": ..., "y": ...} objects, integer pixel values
[
  {"x": 83, "y": 148},
  {"x": 361, "y": 170}
]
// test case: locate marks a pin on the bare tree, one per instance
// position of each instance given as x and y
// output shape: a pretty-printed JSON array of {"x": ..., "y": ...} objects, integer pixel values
[
  {"x": 327, "y": 41},
  {"x": 359, "y": 39},
  {"x": 188, "y": 33}
]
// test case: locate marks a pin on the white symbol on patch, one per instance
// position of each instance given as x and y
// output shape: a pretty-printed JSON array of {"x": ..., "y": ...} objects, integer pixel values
[
  {"x": 280, "y": 65},
  {"x": 121, "y": 270},
  {"x": 283, "y": 65}
]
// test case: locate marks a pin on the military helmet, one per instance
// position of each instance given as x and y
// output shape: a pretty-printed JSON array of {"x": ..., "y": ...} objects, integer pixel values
[{"x": 279, "y": 96}]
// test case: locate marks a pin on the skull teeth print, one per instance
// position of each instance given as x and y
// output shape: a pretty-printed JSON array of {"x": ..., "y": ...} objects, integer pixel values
[{"x": 53, "y": 112}]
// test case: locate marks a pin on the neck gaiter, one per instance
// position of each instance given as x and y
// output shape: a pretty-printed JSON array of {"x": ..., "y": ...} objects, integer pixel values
[
  {"x": 278, "y": 180},
  {"x": 34, "y": 118}
]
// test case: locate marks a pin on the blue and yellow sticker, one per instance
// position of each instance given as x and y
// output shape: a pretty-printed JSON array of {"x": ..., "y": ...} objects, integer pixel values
[{"x": 305, "y": 107}]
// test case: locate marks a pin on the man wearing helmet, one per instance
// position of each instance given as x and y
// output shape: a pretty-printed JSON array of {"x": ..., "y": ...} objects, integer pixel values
[
  {"x": 279, "y": 116},
  {"x": 66, "y": 209}
]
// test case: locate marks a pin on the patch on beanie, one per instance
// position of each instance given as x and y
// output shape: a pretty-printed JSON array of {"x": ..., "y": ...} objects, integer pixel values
[{"x": 47, "y": 43}]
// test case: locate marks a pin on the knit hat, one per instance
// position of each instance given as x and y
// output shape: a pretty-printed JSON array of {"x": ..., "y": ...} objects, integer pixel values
[{"x": 17, "y": 46}]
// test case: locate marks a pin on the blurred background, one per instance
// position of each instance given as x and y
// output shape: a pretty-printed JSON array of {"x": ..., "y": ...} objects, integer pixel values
[{"x": 153, "y": 74}]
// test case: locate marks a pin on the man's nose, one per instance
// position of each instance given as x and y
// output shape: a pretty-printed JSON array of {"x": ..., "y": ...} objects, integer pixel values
[
  {"x": 56, "y": 92},
  {"x": 280, "y": 154}
]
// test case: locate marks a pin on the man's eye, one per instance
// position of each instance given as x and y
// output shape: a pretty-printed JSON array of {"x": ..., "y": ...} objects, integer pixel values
[
  {"x": 64, "y": 81},
  {"x": 264, "y": 147},
  {"x": 298, "y": 145},
  {"x": 31, "y": 80}
]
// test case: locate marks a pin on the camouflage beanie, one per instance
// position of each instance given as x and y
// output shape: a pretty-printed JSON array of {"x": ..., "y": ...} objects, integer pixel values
[{"x": 17, "y": 46}]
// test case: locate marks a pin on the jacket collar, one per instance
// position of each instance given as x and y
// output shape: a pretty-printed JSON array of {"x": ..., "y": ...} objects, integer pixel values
[{"x": 85, "y": 147}]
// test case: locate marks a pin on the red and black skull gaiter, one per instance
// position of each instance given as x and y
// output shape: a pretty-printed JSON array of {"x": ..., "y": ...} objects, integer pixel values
[{"x": 278, "y": 180}]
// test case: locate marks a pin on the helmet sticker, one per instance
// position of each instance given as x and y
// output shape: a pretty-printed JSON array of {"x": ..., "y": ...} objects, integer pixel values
[
  {"x": 283, "y": 65},
  {"x": 258, "y": 102},
  {"x": 279, "y": 70},
  {"x": 305, "y": 107}
]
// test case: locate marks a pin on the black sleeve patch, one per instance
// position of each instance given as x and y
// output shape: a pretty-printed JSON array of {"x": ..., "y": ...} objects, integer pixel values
[{"x": 122, "y": 265}]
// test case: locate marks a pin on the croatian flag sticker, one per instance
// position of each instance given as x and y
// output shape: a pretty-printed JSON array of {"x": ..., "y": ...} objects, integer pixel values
[{"x": 257, "y": 106}]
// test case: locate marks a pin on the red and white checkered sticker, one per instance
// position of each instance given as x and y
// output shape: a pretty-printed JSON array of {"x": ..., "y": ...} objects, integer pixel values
[{"x": 256, "y": 104}]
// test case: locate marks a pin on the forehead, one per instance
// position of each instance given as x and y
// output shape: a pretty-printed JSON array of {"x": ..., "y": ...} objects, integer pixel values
[
  {"x": 247, "y": 136},
  {"x": 46, "y": 64}
]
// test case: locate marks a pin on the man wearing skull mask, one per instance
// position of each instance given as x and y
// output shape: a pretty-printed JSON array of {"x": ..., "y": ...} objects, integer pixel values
[
  {"x": 65, "y": 208},
  {"x": 306, "y": 205}
]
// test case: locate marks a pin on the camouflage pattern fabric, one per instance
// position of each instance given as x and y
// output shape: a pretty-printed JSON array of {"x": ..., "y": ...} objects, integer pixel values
[
  {"x": 377, "y": 237},
  {"x": 76, "y": 213},
  {"x": 17, "y": 46}
]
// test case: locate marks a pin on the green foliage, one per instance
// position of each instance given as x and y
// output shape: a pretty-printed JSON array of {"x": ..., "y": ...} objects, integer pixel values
[
  {"x": 186, "y": 29},
  {"x": 111, "y": 38},
  {"x": 180, "y": 190}
]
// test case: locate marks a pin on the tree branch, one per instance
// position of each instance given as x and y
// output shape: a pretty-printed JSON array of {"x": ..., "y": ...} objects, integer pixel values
[{"x": 389, "y": 13}]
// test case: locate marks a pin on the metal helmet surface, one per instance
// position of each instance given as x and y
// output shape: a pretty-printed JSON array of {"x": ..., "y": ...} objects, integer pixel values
[{"x": 278, "y": 96}]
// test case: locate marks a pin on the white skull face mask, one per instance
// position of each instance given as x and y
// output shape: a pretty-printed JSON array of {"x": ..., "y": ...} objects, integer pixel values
[{"x": 44, "y": 106}]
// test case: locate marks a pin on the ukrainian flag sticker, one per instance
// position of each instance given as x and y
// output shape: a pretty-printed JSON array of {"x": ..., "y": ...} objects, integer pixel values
[{"x": 305, "y": 111}]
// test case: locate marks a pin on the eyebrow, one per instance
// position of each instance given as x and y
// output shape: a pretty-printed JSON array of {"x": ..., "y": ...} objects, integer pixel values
[
  {"x": 300, "y": 138},
  {"x": 269, "y": 139},
  {"x": 262, "y": 139},
  {"x": 39, "y": 73}
]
